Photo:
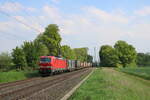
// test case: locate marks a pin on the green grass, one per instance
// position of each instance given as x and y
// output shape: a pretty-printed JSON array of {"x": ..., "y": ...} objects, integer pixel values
[
  {"x": 109, "y": 84},
  {"x": 16, "y": 75},
  {"x": 141, "y": 72}
]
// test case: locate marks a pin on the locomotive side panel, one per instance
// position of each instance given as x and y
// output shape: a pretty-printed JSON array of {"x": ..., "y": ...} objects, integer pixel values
[{"x": 51, "y": 64}]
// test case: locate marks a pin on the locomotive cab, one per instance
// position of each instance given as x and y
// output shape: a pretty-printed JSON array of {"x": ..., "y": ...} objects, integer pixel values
[
  {"x": 45, "y": 60},
  {"x": 45, "y": 65},
  {"x": 51, "y": 64}
]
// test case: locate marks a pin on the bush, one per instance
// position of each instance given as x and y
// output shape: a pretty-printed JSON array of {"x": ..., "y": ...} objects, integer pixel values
[
  {"x": 19, "y": 58},
  {"x": 5, "y": 61}
]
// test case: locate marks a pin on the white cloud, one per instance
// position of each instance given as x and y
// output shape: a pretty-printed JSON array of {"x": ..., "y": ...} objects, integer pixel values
[
  {"x": 140, "y": 31},
  {"x": 97, "y": 26},
  {"x": 31, "y": 9},
  {"x": 106, "y": 16},
  {"x": 92, "y": 27},
  {"x": 52, "y": 13},
  {"x": 144, "y": 11},
  {"x": 30, "y": 23},
  {"x": 16, "y": 30},
  {"x": 12, "y": 7},
  {"x": 55, "y": 1}
]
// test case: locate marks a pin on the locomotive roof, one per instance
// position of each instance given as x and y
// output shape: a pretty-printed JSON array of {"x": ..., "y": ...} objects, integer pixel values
[
  {"x": 50, "y": 57},
  {"x": 46, "y": 56}
]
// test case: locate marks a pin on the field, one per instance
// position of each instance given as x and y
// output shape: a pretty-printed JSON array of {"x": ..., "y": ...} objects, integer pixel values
[
  {"x": 16, "y": 75},
  {"x": 141, "y": 72},
  {"x": 109, "y": 84}
]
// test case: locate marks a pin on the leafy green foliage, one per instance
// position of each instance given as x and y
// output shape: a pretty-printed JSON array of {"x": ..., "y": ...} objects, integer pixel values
[
  {"x": 122, "y": 54},
  {"x": 5, "y": 61},
  {"x": 89, "y": 58},
  {"x": 18, "y": 57},
  {"x": 33, "y": 50},
  {"x": 67, "y": 52},
  {"x": 81, "y": 53},
  {"x": 126, "y": 53},
  {"x": 30, "y": 54},
  {"x": 47, "y": 43},
  {"x": 143, "y": 59},
  {"x": 41, "y": 49},
  {"x": 77, "y": 53},
  {"x": 108, "y": 56},
  {"x": 51, "y": 38}
]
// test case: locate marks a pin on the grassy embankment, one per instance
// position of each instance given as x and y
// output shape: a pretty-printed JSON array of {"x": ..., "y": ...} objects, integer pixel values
[
  {"x": 16, "y": 75},
  {"x": 141, "y": 72},
  {"x": 109, "y": 84}
]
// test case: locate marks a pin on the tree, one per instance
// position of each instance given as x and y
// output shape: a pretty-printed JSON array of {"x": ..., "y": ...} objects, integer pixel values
[
  {"x": 89, "y": 58},
  {"x": 108, "y": 56},
  {"x": 126, "y": 53},
  {"x": 5, "y": 61},
  {"x": 41, "y": 49},
  {"x": 67, "y": 52},
  {"x": 18, "y": 58},
  {"x": 81, "y": 53},
  {"x": 143, "y": 59},
  {"x": 51, "y": 38},
  {"x": 30, "y": 54},
  {"x": 33, "y": 50}
]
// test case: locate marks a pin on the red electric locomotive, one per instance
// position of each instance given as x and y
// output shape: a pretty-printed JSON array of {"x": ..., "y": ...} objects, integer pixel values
[{"x": 51, "y": 64}]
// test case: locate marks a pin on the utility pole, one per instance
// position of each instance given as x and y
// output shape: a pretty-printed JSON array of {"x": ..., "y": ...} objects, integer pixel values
[{"x": 94, "y": 54}]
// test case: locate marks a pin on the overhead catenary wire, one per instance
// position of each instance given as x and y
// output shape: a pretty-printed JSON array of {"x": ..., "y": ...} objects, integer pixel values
[
  {"x": 6, "y": 33},
  {"x": 31, "y": 27},
  {"x": 9, "y": 35},
  {"x": 25, "y": 12}
]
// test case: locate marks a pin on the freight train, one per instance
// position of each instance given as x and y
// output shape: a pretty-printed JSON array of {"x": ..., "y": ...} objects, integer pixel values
[{"x": 51, "y": 64}]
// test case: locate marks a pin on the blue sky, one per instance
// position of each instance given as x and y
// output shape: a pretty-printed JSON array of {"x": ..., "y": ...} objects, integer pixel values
[{"x": 83, "y": 23}]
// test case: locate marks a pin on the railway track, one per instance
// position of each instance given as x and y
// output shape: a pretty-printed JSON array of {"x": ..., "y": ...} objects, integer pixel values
[
  {"x": 4, "y": 85},
  {"x": 27, "y": 88}
]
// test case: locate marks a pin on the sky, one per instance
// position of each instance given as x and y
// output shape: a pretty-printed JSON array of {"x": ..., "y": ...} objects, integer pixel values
[{"x": 82, "y": 23}]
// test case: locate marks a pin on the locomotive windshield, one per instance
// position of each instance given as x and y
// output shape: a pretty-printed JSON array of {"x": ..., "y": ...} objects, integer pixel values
[{"x": 45, "y": 60}]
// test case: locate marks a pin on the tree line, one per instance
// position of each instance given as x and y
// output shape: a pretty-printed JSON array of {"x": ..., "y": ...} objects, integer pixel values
[
  {"x": 47, "y": 43},
  {"x": 143, "y": 59},
  {"x": 122, "y": 54}
]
